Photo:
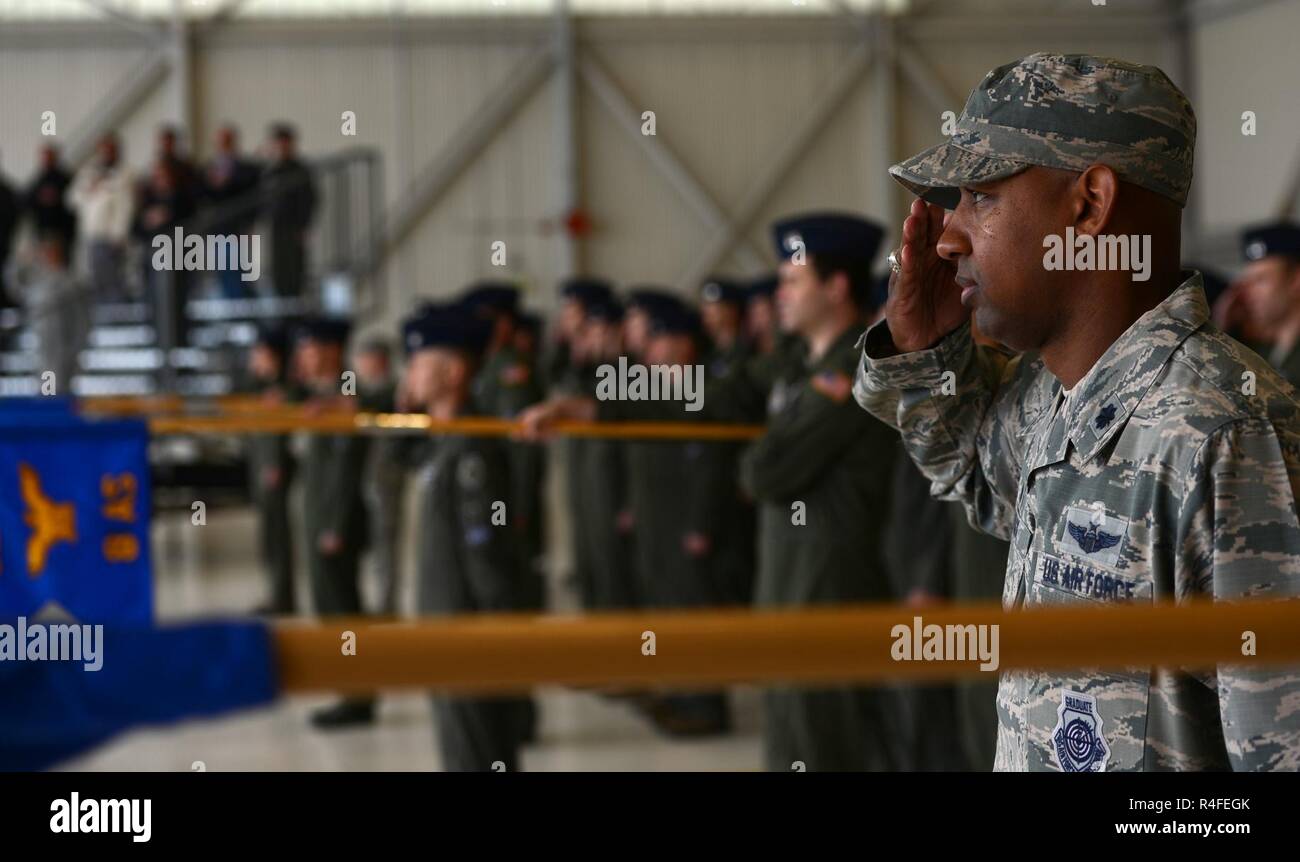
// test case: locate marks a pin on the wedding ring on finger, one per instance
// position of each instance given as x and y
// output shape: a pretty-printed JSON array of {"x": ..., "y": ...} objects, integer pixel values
[{"x": 894, "y": 265}]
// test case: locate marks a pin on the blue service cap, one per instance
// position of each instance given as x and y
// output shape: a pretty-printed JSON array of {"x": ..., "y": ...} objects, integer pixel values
[
  {"x": 446, "y": 325},
  {"x": 329, "y": 330},
  {"x": 763, "y": 287},
  {"x": 674, "y": 319},
  {"x": 586, "y": 290},
  {"x": 606, "y": 311},
  {"x": 648, "y": 298},
  {"x": 529, "y": 322},
  {"x": 1279, "y": 237},
  {"x": 501, "y": 297},
  {"x": 273, "y": 336},
  {"x": 721, "y": 289},
  {"x": 828, "y": 233}
]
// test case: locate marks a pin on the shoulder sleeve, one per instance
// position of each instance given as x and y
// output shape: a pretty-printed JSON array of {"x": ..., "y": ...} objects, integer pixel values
[
  {"x": 965, "y": 413},
  {"x": 1238, "y": 539}
]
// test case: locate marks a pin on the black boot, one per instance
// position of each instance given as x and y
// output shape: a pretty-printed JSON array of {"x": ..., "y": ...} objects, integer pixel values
[{"x": 349, "y": 713}]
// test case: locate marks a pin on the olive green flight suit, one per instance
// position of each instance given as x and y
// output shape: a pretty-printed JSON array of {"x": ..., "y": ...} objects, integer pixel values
[
  {"x": 466, "y": 562},
  {"x": 603, "y": 475},
  {"x": 267, "y": 454},
  {"x": 979, "y": 563},
  {"x": 822, "y": 475},
  {"x": 385, "y": 478},
  {"x": 722, "y": 511},
  {"x": 332, "y": 474},
  {"x": 662, "y": 475},
  {"x": 918, "y": 547},
  {"x": 505, "y": 385},
  {"x": 1288, "y": 364}
]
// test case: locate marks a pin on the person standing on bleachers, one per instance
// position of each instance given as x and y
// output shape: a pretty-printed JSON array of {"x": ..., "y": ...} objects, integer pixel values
[
  {"x": 165, "y": 202},
  {"x": 55, "y": 309},
  {"x": 288, "y": 204},
  {"x": 188, "y": 181},
  {"x": 103, "y": 197},
  {"x": 230, "y": 186},
  {"x": 10, "y": 213},
  {"x": 46, "y": 200}
]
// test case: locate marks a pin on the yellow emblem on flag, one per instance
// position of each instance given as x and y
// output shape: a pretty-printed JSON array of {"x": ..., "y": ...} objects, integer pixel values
[{"x": 50, "y": 521}]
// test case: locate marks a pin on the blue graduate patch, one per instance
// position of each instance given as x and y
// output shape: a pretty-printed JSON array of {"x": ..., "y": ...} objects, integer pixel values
[{"x": 1077, "y": 742}]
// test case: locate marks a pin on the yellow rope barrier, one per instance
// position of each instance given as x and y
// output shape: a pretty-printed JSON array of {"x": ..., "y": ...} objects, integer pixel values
[
  {"x": 707, "y": 648},
  {"x": 277, "y": 421},
  {"x": 135, "y": 405},
  {"x": 246, "y": 414}
]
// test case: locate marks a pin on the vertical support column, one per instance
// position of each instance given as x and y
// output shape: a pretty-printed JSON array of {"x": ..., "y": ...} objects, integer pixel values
[
  {"x": 404, "y": 163},
  {"x": 170, "y": 306},
  {"x": 883, "y": 133},
  {"x": 567, "y": 192},
  {"x": 182, "y": 83},
  {"x": 1185, "y": 52}
]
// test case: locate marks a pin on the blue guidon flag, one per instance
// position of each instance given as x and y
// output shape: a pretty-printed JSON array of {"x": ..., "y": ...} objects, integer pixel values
[{"x": 74, "y": 514}]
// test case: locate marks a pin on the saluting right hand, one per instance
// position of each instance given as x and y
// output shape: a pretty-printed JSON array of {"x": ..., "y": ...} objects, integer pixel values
[{"x": 924, "y": 302}]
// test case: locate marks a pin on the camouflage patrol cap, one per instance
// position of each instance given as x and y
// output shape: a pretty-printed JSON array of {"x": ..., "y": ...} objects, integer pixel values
[{"x": 1066, "y": 111}]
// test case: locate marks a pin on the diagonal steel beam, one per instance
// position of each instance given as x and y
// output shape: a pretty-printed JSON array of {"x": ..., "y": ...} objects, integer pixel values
[
  {"x": 850, "y": 16},
  {"x": 119, "y": 16},
  {"x": 917, "y": 72},
  {"x": 125, "y": 96},
  {"x": 226, "y": 13},
  {"x": 767, "y": 181},
  {"x": 465, "y": 146},
  {"x": 625, "y": 115}
]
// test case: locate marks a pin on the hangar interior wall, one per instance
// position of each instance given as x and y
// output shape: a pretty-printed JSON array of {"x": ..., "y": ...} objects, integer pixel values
[{"x": 727, "y": 93}]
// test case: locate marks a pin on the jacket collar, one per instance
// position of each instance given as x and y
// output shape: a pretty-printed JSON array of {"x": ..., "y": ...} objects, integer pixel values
[{"x": 1103, "y": 400}]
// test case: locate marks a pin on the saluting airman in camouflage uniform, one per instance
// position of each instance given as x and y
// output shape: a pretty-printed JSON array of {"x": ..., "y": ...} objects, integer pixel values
[{"x": 1141, "y": 455}]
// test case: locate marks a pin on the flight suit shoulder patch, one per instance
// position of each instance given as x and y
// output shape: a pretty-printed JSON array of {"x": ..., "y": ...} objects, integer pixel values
[
  {"x": 835, "y": 385},
  {"x": 471, "y": 471},
  {"x": 516, "y": 374}
]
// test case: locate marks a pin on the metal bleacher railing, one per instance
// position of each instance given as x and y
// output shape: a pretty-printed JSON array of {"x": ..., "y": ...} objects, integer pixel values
[{"x": 132, "y": 348}]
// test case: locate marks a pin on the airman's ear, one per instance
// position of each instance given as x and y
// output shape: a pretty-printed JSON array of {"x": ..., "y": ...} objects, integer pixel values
[
  {"x": 1293, "y": 277},
  {"x": 1095, "y": 193},
  {"x": 460, "y": 370}
]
